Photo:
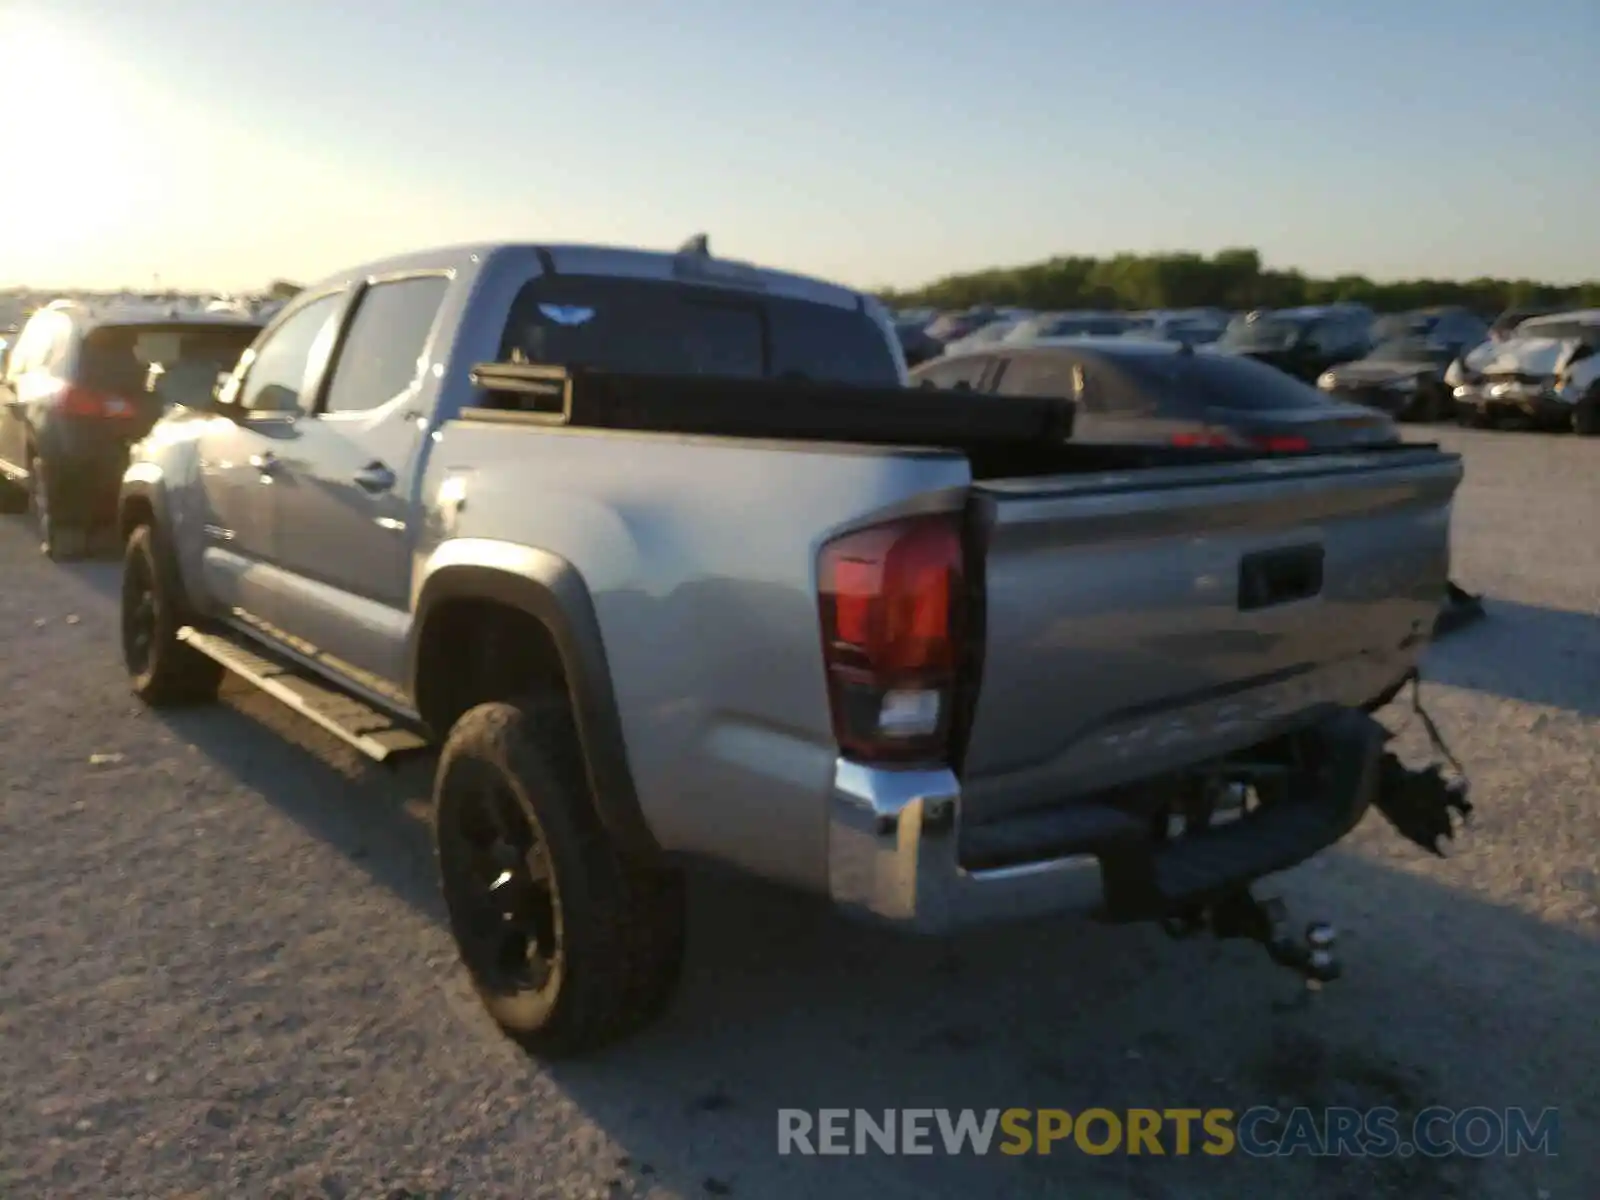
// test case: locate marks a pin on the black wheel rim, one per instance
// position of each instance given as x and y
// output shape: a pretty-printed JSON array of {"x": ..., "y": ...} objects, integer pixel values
[
  {"x": 500, "y": 888},
  {"x": 138, "y": 614}
]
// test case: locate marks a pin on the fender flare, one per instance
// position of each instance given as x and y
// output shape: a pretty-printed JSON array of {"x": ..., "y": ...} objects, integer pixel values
[{"x": 549, "y": 589}]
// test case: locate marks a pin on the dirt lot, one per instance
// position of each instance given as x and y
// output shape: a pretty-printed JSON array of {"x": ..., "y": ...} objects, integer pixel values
[{"x": 223, "y": 970}]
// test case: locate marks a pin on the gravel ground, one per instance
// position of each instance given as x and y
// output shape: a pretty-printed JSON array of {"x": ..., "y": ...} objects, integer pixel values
[{"x": 223, "y": 970}]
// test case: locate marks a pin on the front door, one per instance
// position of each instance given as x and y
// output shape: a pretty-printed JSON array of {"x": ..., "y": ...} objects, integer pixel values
[
  {"x": 241, "y": 457},
  {"x": 346, "y": 489}
]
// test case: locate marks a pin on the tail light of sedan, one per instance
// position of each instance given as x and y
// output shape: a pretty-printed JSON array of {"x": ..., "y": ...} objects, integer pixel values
[{"x": 76, "y": 401}]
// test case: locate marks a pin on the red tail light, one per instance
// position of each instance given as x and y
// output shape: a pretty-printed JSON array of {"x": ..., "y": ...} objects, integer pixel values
[
  {"x": 1209, "y": 438},
  {"x": 1287, "y": 444},
  {"x": 894, "y": 622},
  {"x": 74, "y": 401}
]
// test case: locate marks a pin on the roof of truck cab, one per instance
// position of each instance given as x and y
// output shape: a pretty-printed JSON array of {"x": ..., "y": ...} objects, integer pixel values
[{"x": 580, "y": 258}]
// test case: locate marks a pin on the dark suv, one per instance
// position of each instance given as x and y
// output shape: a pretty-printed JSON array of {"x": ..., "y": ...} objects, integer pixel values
[
  {"x": 79, "y": 387},
  {"x": 1304, "y": 342}
]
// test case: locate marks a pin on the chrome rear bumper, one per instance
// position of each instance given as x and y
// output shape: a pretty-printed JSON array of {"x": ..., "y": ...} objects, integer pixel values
[{"x": 894, "y": 846}]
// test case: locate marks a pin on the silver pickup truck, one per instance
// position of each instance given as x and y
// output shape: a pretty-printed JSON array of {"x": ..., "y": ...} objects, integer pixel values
[{"x": 663, "y": 555}]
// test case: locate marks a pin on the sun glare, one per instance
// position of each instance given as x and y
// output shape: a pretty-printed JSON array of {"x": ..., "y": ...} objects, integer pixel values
[{"x": 70, "y": 142}]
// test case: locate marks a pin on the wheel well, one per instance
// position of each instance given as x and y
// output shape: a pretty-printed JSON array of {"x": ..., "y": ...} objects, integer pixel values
[
  {"x": 473, "y": 651},
  {"x": 136, "y": 511}
]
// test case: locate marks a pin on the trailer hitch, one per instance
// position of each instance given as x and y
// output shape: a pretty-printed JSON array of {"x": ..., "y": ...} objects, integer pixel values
[{"x": 1240, "y": 914}]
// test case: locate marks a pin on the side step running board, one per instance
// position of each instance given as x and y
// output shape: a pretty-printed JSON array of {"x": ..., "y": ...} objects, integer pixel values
[{"x": 373, "y": 733}]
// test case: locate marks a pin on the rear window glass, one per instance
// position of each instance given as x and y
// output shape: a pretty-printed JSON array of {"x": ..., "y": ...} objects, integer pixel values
[
  {"x": 119, "y": 357},
  {"x": 1217, "y": 381},
  {"x": 660, "y": 328}
]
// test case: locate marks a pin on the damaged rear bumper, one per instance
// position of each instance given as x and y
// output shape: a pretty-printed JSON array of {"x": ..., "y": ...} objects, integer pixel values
[{"x": 898, "y": 853}]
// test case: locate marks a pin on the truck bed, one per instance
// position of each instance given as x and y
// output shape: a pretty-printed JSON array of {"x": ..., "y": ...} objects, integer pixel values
[
  {"x": 1139, "y": 609},
  {"x": 1001, "y": 437}
]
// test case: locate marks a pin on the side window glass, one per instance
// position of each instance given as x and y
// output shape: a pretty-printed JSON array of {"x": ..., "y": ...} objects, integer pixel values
[
  {"x": 382, "y": 353},
  {"x": 279, "y": 367},
  {"x": 962, "y": 373},
  {"x": 1045, "y": 375}
]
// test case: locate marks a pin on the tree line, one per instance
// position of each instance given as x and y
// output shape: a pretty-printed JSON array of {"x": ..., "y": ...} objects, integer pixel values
[{"x": 1233, "y": 279}]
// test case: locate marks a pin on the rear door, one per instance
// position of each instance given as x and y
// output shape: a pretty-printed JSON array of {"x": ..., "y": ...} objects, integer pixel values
[
  {"x": 1143, "y": 621},
  {"x": 345, "y": 484}
]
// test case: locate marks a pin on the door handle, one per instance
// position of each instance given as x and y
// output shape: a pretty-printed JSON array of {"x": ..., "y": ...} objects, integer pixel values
[
  {"x": 266, "y": 462},
  {"x": 375, "y": 477}
]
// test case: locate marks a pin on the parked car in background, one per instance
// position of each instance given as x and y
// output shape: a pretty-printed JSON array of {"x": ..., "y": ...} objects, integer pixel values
[
  {"x": 917, "y": 316},
  {"x": 984, "y": 335},
  {"x": 1403, "y": 376},
  {"x": 916, "y": 343},
  {"x": 1197, "y": 327},
  {"x": 1506, "y": 323},
  {"x": 950, "y": 327},
  {"x": 1468, "y": 366},
  {"x": 1447, "y": 327},
  {"x": 1070, "y": 324},
  {"x": 80, "y": 386},
  {"x": 1137, "y": 390},
  {"x": 1546, "y": 374},
  {"x": 1303, "y": 342}
]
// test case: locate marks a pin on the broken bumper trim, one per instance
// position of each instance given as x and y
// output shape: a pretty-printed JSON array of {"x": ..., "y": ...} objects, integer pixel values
[{"x": 894, "y": 846}]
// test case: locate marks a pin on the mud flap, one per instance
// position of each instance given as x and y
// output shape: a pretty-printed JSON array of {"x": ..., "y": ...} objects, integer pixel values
[{"x": 1424, "y": 806}]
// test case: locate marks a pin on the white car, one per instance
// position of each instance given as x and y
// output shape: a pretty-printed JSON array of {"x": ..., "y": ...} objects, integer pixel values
[{"x": 1548, "y": 373}]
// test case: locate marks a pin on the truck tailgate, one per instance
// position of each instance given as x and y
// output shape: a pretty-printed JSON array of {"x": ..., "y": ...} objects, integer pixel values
[{"x": 1144, "y": 621}]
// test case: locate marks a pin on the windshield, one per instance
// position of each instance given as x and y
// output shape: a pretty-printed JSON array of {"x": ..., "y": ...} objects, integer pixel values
[
  {"x": 1218, "y": 381},
  {"x": 991, "y": 332},
  {"x": 1402, "y": 325},
  {"x": 1263, "y": 333},
  {"x": 651, "y": 327}
]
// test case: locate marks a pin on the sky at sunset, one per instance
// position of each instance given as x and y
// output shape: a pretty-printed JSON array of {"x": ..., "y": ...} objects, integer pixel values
[{"x": 223, "y": 144}]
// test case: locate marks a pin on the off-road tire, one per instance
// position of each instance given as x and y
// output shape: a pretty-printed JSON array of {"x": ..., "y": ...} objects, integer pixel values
[
  {"x": 619, "y": 923},
  {"x": 59, "y": 542},
  {"x": 165, "y": 672}
]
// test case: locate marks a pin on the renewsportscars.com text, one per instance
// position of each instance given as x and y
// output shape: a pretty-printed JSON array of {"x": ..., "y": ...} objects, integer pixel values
[{"x": 1259, "y": 1132}]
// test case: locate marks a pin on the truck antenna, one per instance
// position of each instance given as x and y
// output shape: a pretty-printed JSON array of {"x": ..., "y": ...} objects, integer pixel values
[{"x": 699, "y": 245}]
